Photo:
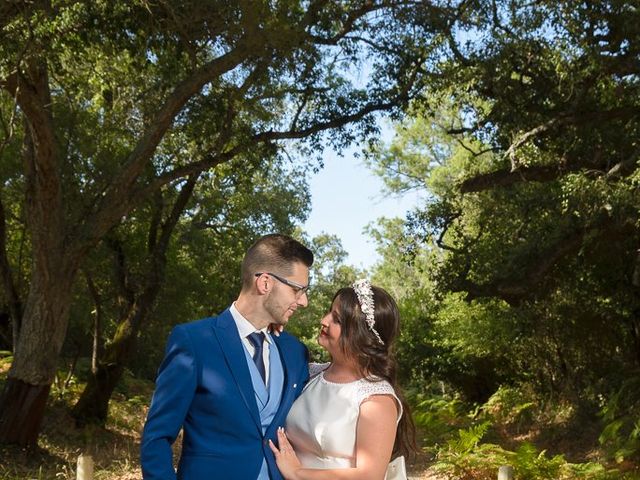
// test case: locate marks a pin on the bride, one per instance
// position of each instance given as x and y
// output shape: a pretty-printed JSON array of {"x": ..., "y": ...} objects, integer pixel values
[{"x": 351, "y": 418}]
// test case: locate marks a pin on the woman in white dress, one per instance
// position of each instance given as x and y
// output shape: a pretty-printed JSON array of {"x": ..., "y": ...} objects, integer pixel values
[{"x": 351, "y": 417}]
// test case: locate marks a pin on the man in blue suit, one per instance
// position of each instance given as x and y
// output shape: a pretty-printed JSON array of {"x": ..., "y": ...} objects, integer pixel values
[{"x": 227, "y": 381}]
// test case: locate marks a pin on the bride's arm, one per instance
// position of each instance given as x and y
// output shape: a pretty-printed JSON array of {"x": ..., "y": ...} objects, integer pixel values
[{"x": 375, "y": 436}]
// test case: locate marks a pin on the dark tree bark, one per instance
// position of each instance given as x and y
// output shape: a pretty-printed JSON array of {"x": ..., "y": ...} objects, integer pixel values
[
  {"x": 536, "y": 173},
  {"x": 44, "y": 322},
  {"x": 23, "y": 410},
  {"x": 6, "y": 340},
  {"x": 34, "y": 364}
]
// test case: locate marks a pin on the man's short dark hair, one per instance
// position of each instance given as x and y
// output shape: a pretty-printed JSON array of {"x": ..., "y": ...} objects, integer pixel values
[{"x": 273, "y": 253}]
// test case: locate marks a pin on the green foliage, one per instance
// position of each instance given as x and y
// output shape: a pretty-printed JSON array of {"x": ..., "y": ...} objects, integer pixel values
[
  {"x": 511, "y": 407},
  {"x": 522, "y": 262},
  {"x": 402, "y": 273},
  {"x": 462, "y": 452},
  {"x": 468, "y": 439},
  {"x": 533, "y": 464},
  {"x": 621, "y": 416},
  {"x": 438, "y": 417},
  {"x": 468, "y": 459},
  {"x": 228, "y": 210}
]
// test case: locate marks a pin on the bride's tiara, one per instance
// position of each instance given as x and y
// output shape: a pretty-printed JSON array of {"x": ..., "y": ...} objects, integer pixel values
[{"x": 364, "y": 293}]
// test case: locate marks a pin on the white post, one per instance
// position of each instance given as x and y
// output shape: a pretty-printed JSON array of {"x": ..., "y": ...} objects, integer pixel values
[
  {"x": 505, "y": 472},
  {"x": 85, "y": 468}
]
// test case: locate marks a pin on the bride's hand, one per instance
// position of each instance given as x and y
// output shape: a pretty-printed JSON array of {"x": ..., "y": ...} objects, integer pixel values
[
  {"x": 276, "y": 329},
  {"x": 286, "y": 458}
]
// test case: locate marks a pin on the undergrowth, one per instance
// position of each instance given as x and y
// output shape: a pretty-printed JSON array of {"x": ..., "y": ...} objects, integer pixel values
[
  {"x": 462, "y": 442},
  {"x": 114, "y": 447},
  {"x": 473, "y": 442}
]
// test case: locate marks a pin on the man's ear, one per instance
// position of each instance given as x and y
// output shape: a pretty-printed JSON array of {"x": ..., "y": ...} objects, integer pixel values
[{"x": 263, "y": 285}]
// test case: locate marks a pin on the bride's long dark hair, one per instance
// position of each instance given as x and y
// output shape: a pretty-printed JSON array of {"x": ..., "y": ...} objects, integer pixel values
[{"x": 373, "y": 358}]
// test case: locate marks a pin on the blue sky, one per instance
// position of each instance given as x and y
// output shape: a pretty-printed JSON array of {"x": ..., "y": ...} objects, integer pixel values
[{"x": 346, "y": 197}]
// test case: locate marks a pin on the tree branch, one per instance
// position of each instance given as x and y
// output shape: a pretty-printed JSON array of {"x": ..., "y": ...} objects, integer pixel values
[
  {"x": 574, "y": 118},
  {"x": 626, "y": 167},
  {"x": 9, "y": 127},
  {"x": 535, "y": 173},
  {"x": 347, "y": 26},
  {"x": 186, "y": 191},
  {"x": 514, "y": 291},
  {"x": 157, "y": 255},
  {"x": 97, "y": 323},
  {"x": 120, "y": 272},
  {"x": 118, "y": 195},
  {"x": 445, "y": 228},
  {"x": 98, "y": 225}
]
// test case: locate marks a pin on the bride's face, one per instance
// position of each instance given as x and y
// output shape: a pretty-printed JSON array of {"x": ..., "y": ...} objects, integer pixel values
[{"x": 330, "y": 331}]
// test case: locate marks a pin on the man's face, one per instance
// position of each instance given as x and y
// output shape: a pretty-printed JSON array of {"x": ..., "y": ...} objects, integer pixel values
[{"x": 285, "y": 299}]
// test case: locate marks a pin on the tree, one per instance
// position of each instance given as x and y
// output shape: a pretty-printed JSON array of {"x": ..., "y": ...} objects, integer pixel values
[
  {"x": 227, "y": 208},
  {"x": 137, "y": 304},
  {"x": 527, "y": 145},
  {"x": 102, "y": 91}
]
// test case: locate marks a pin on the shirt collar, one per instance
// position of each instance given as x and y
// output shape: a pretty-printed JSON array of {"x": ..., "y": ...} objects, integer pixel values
[{"x": 245, "y": 327}]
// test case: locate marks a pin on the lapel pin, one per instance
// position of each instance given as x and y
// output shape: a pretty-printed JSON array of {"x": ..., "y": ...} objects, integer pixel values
[{"x": 295, "y": 385}]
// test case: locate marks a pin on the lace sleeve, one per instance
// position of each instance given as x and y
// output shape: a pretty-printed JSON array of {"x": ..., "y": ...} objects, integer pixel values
[
  {"x": 316, "y": 368},
  {"x": 368, "y": 388}
]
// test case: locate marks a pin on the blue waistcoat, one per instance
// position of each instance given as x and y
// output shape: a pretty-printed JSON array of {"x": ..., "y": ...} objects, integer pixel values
[{"x": 267, "y": 399}]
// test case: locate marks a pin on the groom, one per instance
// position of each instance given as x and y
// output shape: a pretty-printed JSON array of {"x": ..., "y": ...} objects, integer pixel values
[{"x": 229, "y": 383}]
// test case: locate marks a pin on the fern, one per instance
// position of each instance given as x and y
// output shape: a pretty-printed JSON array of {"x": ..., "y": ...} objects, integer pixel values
[
  {"x": 468, "y": 439},
  {"x": 620, "y": 413}
]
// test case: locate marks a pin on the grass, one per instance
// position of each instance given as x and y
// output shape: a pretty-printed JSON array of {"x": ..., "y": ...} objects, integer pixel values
[{"x": 114, "y": 447}]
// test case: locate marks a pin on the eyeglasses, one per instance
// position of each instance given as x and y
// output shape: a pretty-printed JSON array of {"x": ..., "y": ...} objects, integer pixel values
[{"x": 297, "y": 288}]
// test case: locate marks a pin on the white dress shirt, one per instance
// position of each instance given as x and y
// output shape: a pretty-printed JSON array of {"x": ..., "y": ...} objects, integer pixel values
[{"x": 245, "y": 328}]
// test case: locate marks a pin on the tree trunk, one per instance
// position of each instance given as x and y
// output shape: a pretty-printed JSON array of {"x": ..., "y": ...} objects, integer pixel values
[
  {"x": 34, "y": 363},
  {"x": 93, "y": 404},
  {"x": 6, "y": 338},
  {"x": 21, "y": 411},
  {"x": 97, "y": 323},
  {"x": 43, "y": 325}
]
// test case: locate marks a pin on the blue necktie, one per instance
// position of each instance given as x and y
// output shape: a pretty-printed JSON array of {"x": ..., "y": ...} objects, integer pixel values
[{"x": 257, "y": 339}]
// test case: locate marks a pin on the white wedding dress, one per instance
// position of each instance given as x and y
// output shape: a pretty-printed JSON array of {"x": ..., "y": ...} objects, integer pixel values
[{"x": 321, "y": 424}]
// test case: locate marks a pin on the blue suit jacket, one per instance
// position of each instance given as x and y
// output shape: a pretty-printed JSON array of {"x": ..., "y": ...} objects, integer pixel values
[{"x": 204, "y": 386}]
